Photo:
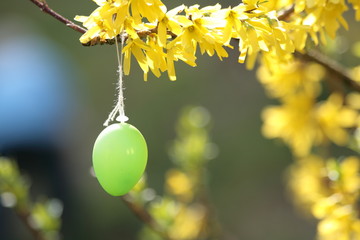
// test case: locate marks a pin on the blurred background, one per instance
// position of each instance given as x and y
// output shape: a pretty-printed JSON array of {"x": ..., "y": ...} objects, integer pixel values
[{"x": 56, "y": 94}]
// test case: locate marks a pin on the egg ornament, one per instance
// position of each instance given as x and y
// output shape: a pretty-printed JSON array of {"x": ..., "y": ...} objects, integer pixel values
[{"x": 119, "y": 158}]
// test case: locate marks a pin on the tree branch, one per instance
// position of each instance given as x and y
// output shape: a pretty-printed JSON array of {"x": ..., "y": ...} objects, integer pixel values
[
  {"x": 46, "y": 9},
  {"x": 332, "y": 66},
  {"x": 286, "y": 13},
  {"x": 329, "y": 64},
  {"x": 145, "y": 216}
]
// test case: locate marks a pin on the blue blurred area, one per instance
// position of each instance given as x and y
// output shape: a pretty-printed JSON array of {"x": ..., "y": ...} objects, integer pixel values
[
  {"x": 35, "y": 99},
  {"x": 37, "y": 106}
]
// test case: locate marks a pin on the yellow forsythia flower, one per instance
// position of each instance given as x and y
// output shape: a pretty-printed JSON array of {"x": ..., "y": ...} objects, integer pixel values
[
  {"x": 355, "y": 72},
  {"x": 353, "y": 100},
  {"x": 282, "y": 78},
  {"x": 305, "y": 181},
  {"x": 333, "y": 117},
  {"x": 330, "y": 191},
  {"x": 179, "y": 184},
  {"x": 188, "y": 223},
  {"x": 294, "y": 122},
  {"x": 322, "y": 16},
  {"x": 302, "y": 124},
  {"x": 150, "y": 30}
]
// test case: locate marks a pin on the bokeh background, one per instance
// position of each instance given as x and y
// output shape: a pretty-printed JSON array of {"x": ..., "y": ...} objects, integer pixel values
[{"x": 63, "y": 92}]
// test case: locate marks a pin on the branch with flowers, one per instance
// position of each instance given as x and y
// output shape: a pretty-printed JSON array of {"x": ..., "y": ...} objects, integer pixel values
[
  {"x": 284, "y": 37},
  {"x": 284, "y": 14}
]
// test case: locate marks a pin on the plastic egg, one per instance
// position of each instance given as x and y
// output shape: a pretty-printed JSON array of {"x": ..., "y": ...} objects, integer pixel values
[{"x": 119, "y": 158}]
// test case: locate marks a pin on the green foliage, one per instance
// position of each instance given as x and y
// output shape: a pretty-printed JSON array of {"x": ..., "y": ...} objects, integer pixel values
[
  {"x": 41, "y": 217},
  {"x": 14, "y": 188}
]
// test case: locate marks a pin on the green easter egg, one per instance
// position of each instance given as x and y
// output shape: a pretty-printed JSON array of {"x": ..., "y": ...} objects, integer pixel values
[{"x": 119, "y": 158}]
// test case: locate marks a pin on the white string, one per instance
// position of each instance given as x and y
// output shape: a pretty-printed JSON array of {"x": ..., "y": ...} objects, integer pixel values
[{"x": 119, "y": 107}]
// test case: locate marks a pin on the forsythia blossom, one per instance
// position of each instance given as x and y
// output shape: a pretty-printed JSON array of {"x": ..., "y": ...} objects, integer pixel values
[
  {"x": 178, "y": 33},
  {"x": 300, "y": 121},
  {"x": 283, "y": 79},
  {"x": 329, "y": 190},
  {"x": 304, "y": 120},
  {"x": 303, "y": 124}
]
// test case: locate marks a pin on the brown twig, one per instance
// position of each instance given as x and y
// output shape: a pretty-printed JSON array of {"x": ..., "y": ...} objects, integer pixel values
[
  {"x": 332, "y": 66},
  {"x": 46, "y": 9},
  {"x": 141, "y": 34},
  {"x": 286, "y": 13},
  {"x": 145, "y": 216}
]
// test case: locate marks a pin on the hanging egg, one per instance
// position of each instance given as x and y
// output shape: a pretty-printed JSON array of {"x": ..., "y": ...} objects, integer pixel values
[{"x": 119, "y": 158}]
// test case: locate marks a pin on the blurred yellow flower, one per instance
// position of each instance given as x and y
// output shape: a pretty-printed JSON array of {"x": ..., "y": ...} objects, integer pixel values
[
  {"x": 350, "y": 179},
  {"x": 355, "y": 72},
  {"x": 277, "y": 4},
  {"x": 302, "y": 124},
  {"x": 189, "y": 223},
  {"x": 307, "y": 181},
  {"x": 179, "y": 184},
  {"x": 342, "y": 224},
  {"x": 322, "y": 16},
  {"x": 353, "y": 100},
  {"x": 287, "y": 78},
  {"x": 294, "y": 122},
  {"x": 330, "y": 191},
  {"x": 333, "y": 117},
  {"x": 181, "y": 221}
]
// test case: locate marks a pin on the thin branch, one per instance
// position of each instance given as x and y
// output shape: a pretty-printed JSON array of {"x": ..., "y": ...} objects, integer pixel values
[
  {"x": 332, "y": 66},
  {"x": 46, "y": 9},
  {"x": 145, "y": 216},
  {"x": 141, "y": 34},
  {"x": 286, "y": 13}
]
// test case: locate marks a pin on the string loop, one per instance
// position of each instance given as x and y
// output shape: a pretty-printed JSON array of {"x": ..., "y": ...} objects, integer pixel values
[{"x": 119, "y": 107}]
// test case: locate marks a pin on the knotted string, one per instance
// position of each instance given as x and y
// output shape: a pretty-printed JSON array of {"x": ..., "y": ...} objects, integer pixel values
[{"x": 119, "y": 107}]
